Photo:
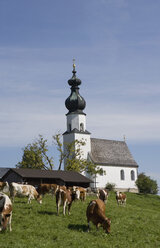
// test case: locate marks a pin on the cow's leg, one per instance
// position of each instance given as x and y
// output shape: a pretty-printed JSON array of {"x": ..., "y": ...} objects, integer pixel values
[
  {"x": 69, "y": 207},
  {"x": 29, "y": 199},
  {"x": 58, "y": 205},
  {"x": 64, "y": 207},
  {"x": 9, "y": 222},
  {"x": 58, "y": 201},
  {"x": 97, "y": 226},
  {"x": 88, "y": 229}
]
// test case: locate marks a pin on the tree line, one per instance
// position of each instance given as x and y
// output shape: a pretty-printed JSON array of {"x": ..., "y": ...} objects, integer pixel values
[{"x": 35, "y": 156}]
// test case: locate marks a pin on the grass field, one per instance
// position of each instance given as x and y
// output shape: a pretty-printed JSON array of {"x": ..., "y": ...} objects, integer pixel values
[{"x": 37, "y": 226}]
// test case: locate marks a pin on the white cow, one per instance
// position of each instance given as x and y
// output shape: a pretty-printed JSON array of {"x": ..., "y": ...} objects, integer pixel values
[
  {"x": 5, "y": 212},
  {"x": 22, "y": 190}
]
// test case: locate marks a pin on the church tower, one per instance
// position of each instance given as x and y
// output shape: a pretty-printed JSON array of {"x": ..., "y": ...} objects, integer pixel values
[{"x": 76, "y": 118}]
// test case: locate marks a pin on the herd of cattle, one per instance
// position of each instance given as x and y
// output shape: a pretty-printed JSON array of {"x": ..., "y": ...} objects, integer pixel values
[{"x": 64, "y": 197}]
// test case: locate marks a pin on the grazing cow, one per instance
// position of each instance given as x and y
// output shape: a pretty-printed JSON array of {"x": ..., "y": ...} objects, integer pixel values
[
  {"x": 5, "y": 212},
  {"x": 64, "y": 197},
  {"x": 103, "y": 195},
  {"x": 46, "y": 188},
  {"x": 22, "y": 190},
  {"x": 80, "y": 193},
  {"x": 96, "y": 213},
  {"x": 121, "y": 198},
  {"x": 4, "y": 187}
]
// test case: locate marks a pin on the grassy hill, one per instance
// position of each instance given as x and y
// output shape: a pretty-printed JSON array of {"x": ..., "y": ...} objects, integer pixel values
[{"x": 37, "y": 226}]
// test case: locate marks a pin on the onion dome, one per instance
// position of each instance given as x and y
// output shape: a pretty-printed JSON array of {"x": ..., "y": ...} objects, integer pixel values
[{"x": 75, "y": 103}]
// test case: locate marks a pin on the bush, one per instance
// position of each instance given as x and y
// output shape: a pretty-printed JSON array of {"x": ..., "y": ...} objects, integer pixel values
[
  {"x": 110, "y": 186},
  {"x": 146, "y": 185}
]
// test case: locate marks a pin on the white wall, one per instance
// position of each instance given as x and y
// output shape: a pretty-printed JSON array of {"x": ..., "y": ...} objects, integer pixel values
[
  {"x": 75, "y": 120},
  {"x": 113, "y": 176},
  {"x": 87, "y": 147},
  {"x": 70, "y": 137}
]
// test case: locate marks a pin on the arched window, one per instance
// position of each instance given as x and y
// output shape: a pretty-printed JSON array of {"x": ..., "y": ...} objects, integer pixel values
[
  {"x": 132, "y": 175},
  {"x": 122, "y": 175},
  {"x": 69, "y": 127},
  {"x": 81, "y": 127}
]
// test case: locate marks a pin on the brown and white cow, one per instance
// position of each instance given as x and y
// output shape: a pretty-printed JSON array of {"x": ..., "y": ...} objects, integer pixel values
[
  {"x": 121, "y": 198},
  {"x": 5, "y": 212},
  {"x": 80, "y": 193},
  {"x": 102, "y": 194},
  {"x": 64, "y": 197},
  {"x": 4, "y": 187},
  {"x": 96, "y": 213},
  {"x": 22, "y": 190},
  {"x": 46, "y": 188}
]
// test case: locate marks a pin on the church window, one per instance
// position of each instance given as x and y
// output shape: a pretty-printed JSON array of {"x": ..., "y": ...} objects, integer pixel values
[
  {"x": 69, "y": 127},
  {"x": 122, "y": 175},
  {"x": 132, "y": 175},
  {"x": 81, "y": 127}
]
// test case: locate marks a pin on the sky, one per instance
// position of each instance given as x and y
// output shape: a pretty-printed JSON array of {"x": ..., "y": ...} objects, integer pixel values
[{"x": 116, "y": 45}]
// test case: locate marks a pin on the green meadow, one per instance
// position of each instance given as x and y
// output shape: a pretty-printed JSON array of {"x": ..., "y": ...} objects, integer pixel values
[{"x": 36, "y": 226}]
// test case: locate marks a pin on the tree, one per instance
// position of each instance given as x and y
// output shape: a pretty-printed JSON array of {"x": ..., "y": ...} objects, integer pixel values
[
  {"x": 146, "y": 185},
  {"x": 73, "y": 157},
  {"x": 35, "y": 155}
]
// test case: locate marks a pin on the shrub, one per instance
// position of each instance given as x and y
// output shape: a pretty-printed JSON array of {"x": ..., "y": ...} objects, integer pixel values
[
  {"x": 110, "y": 186},
  {"x": 146, "y": 185}
]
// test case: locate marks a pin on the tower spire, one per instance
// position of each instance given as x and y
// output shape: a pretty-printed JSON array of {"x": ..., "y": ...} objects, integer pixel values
[{"x": 75, "y": 103}]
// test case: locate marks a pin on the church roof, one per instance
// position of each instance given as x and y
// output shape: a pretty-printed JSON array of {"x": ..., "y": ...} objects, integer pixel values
[{"x": 111, "y": 152}]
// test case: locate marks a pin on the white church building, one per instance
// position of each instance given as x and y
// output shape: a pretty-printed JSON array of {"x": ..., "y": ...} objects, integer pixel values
[{"x": 112, "y": 156}]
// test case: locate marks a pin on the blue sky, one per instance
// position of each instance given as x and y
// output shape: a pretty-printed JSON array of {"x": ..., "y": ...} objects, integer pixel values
[{"x": 116, "y": 44}]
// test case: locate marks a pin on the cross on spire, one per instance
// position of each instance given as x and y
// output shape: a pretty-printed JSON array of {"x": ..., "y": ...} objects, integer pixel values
[{"x": 74, "y": 66}]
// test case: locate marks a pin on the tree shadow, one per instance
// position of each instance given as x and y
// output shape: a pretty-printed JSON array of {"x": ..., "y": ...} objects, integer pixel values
[
  {"x": 77, "y": 227},
  {"x": 47, "y": 212}
]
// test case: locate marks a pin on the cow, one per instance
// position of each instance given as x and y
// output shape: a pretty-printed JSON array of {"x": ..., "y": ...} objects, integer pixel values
[
  {"x": 22, "y": 190},
  {"x": 4, "y": 187},
  {"x": 46, "y": 188},
  {"x": 121, "y": 198},
  {"x": 103, "y": 195},
  {"x": 64, "y": 197},
  {"x": 96, "y": 213},
  {"x": 80, "y": 192},
  {"x": 5, "y": 212}
]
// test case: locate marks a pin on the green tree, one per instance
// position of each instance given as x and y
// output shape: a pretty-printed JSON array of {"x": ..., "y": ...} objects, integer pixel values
[
  {"x": 73, "y": 157},
  {"x": 146, "y": 185},
  {"x": 35, "y": 155}
]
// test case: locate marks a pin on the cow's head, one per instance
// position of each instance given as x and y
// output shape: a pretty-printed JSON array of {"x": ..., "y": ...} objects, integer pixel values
[
  {"x": 75, "y": 194},
  {"x": 107, "y": 225},
  {"x": 39, "y": 199},
  {"x": 5, "y": 215}
]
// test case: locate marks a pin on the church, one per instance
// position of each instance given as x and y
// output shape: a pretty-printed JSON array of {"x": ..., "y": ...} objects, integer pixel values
[{"x": 112, "y": 156}]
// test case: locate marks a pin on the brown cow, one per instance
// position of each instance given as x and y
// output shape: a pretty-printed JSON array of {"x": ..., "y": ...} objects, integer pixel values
[
  {"x": 22, "y": 190},
  {"x": 4, "y": 186},
  {"x": 65, "y": 198},
  {"x": 103, "y": 195},
  {"x": 121, "y": 198},
  {"x": 46, "y": 188},
  {"x": 80, "y": 193},
  {"x": 96, "y": 213},
  {"x": 5, "y": 212}
]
